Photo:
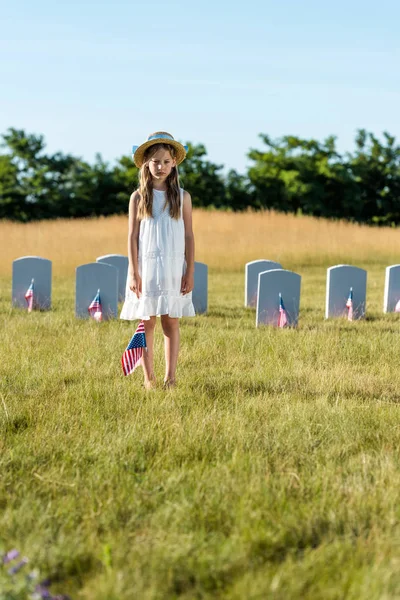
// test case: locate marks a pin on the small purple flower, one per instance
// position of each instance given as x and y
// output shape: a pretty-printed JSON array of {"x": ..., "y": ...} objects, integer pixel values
[
  {"x": 44, "y": 592},
  {"x": 42, "y": 589},
  {"x": 18, "y": 566},
  {"x": 11, "y": 555}
]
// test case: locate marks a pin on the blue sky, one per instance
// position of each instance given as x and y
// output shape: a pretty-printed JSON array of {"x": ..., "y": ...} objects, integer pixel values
[{"x": 100, "y": 76}]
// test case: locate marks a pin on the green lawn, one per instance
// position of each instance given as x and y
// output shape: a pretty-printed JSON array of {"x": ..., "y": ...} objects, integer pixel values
[{"x": 272, "y": 471}]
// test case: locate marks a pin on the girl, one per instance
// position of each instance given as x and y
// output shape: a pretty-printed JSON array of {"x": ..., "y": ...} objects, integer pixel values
[{"x": 160, "y": 250}]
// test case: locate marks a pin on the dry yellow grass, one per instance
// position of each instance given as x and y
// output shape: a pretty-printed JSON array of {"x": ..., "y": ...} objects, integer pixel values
[{"x": 225, "y": 241}]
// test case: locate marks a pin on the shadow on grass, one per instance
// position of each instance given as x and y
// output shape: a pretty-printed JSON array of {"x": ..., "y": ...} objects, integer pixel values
[
  {"x": 299, "y": 387},
  {"x": 269, "y": 387},
  {"x": 232, "y": 312},
  {"x": 196, "y": 578},
  {"x": 76, "y": 567},
  {"x": 16, "y": 425}
]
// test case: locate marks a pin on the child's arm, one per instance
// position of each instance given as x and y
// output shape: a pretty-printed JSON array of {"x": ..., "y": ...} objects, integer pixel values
[
  {"x": 135, "y": 281},
  {"x": 188, "y": 278}
]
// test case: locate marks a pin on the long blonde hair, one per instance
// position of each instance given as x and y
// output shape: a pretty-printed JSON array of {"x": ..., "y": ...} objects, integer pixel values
[{"x": 173, "y": 199}]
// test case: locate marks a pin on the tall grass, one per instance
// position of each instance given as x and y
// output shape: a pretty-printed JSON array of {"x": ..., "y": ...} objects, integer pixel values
[
  {"x": 272, "y": 471},
  {"x": 225, "y": 241}
]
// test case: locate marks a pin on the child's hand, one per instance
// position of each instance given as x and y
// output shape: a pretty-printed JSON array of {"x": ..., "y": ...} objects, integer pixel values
[
  {"x": 135, "y": 284},
  {"x": 187, "y": 283}
]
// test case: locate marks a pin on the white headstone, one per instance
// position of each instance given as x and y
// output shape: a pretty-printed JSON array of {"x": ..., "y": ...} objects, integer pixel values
[
  {"x": 392, "y": 289},
  {"x": 90, "y": 278},
  {"x": 270, "y": 285},
  {"x": 340, "y": 279},
  {"x": 121, "y": 262},
  {"x": 252, "y": 271},
  {"x": 25, "y": 269},
  {"x": 200, "y": 290}
]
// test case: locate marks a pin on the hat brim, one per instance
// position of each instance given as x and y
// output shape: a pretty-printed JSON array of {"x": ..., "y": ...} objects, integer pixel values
[{"x": 139, "y": 151}]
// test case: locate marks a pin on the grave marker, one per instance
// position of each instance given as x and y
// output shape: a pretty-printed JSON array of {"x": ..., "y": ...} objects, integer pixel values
[
  {"x": 272, "y": 286},
  {"x": 90, "y": 278},
  {"x": 340, "y": 279},
  {"x": 252, "y": 271},
  {"x": 25, "y": 269},
  {"x": 121, "y": 262},
  {"x": 392, "y": 289},
  {"x": 200, "y": 290}
]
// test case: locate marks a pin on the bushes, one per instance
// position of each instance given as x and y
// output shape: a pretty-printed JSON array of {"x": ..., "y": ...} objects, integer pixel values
[{"x": 290, "y": 175}]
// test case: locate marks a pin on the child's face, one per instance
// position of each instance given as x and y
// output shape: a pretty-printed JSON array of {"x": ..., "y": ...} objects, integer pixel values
[{"x": 161, "y": 164}]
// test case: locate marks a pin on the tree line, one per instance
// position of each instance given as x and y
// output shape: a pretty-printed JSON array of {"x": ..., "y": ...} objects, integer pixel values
[{"x": 288, "y": 174}]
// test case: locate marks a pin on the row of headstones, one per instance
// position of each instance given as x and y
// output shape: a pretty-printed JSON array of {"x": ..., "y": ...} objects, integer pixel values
[
  {"x": 108, "y": 274},
  {"x": 267, "y": 285}
]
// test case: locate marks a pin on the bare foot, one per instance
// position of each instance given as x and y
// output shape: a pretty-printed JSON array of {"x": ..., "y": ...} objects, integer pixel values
[
  {"x": 150, "y": 384},
  {"x": 169, "y": 383}
]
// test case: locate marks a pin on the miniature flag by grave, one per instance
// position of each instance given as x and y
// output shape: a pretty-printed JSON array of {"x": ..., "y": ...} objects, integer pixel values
[
  {"x": 282, "y": 317},
  {"x": 349, "y": 305},
  {"x": 397, "y": 307},
  {"x": 94, "y": 308},
  {"x": 29, "y": 296},
  {"x": 134, "y": 350}
]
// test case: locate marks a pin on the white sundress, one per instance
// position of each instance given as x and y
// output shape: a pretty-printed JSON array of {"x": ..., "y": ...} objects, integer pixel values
[{"x": 161, "y": 259}]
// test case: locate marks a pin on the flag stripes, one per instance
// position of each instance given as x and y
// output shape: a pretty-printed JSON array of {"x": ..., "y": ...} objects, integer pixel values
[
  {"x": 30, "y": 295},
  {"x": 134, "y": 350},
  {"x": 95, "y": 309},
  {"x": 349, "y": 305},
  {"x": 282, "y": 317}
]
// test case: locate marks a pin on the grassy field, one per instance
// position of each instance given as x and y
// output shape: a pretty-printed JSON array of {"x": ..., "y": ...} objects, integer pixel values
[{"x": 271, "y": 471}]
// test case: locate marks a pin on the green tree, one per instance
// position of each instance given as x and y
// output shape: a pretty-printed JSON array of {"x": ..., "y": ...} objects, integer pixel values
[
  {"x": 239, "y": 193},
  {"x": 376, "y": 170},
  {"x": 126, "y": 177},
  {"x": 12, "y": 197},
  {"x": 202, "y": 178},
  {"x": 295, "y": 175},
  {"x": 24, "y": 171},
  {"x": 38, "y": 186},
  {"x": 289, "y": 174}
]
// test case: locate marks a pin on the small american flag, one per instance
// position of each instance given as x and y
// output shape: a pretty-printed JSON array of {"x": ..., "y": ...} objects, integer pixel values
[
  {"x": 349, "y": 305},
  {"x": 282, "y": 317},
  {"x": 29, "y": 296},
  {"x": 95, "y": 310},
  {"x": 134, "y": 350}
]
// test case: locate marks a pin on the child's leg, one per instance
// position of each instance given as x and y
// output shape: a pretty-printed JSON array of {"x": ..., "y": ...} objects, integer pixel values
[
  {"x": 148, "y": 356},
  {"x": 171, "y": 346}
]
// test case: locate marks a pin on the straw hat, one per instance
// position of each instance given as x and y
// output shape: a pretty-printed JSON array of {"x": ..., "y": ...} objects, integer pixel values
[{"x": 159, "y": 137}]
